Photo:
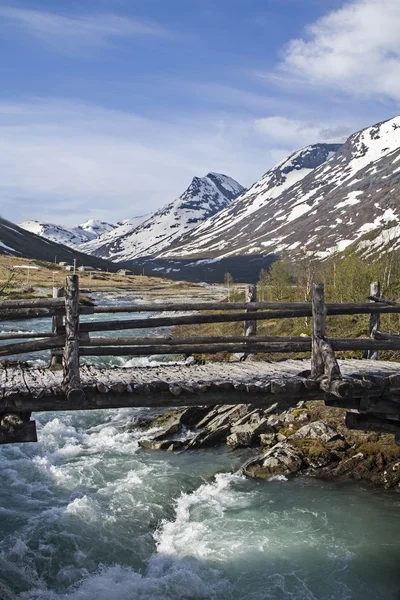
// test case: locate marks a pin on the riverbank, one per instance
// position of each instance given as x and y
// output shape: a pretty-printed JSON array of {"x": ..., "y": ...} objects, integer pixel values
[{"x": 310, "y": 439}]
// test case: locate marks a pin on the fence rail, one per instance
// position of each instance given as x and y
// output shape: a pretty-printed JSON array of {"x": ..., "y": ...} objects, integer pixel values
[{"x": 71, "y": 338}]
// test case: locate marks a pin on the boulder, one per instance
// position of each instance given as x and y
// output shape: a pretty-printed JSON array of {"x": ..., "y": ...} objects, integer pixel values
[
  {"x": 247, "y": 434},
  {"x": 228, "y": 417},
  {"x": 317, "y": 430},
  {"x": 208, "y": 439},
  {"x": 270, "y": 439},
  {"x": 213, "y": 412},
  {"x": 161, "y": 445},
  {"x": 281, "y": 459}
]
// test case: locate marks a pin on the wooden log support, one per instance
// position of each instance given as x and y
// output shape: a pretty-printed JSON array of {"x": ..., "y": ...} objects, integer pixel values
[
  {"x": 57, "y": 321},
  {"x": 332, "y": 308},
  {"x": 85, "y": 340},
  {"x": 33, "y": 346},
  {"x": 195, "y": 349},
  {"x": 331, "y": 367},
  {"x": 250, "y": 327},
  {"x": 15, "y": 428},
  {"x": 72, "y": 381},
  {"x": 318, "y": 329},
  {"x": 374, "y": 319},
  {"x": 55, "y": 302},
  {"x": 366, "y": 422}
]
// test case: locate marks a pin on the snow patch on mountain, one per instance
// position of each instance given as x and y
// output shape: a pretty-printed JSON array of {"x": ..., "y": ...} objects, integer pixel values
[
  {"x": 204, "y": 197},
  {"x": 216, "y": 233},
  {"x": 347, "y": 196},
  {"x": 89, "y": 230}
]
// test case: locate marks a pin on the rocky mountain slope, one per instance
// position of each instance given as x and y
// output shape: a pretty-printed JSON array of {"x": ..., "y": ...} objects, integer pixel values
[
  {"x": 91, "y": 229},
  {"x": 108, "y": 238},
  {"x": 15, "y": 241},
  {"x": 204, "y": 197},
  {"x": 349, "y": 197}
]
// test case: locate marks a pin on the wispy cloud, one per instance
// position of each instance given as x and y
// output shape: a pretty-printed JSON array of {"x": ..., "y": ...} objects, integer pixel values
[
  {"x": 293, "y": 131},
  {"x": 355, "y": 50},
  {"x": 61, "y": 160},
  {"x": 73, "y": 33}
]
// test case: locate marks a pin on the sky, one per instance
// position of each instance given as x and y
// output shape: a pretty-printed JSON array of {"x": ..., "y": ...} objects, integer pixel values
[{"x": 109, "y": 108}]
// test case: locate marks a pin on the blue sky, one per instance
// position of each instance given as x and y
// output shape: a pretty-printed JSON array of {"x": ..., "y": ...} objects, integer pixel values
[{"x": 108, "y": 108}]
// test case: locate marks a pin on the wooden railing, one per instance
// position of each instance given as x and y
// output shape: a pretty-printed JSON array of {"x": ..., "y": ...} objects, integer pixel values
[{"x": 69, "y": 338}]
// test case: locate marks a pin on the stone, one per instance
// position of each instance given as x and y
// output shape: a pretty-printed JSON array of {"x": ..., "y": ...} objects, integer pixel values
[
  {"x": 281, "y": 459},
  {"x": 269, "y": 439},
  {"x": 229, "y": 417},
  {"x": 213, "y": 413},
  {"x": 208, "y": 439},
  {"x": 161, "y": 445},
  {"x": 289, "y": 418},
  {"x": 317, "y": 430},
  {"x": 192, "y": 415},
  {"x": 303, "y": 416}
]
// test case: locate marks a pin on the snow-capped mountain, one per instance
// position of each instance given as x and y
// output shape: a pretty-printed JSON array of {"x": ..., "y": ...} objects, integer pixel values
[
  {"x": 95, "y": 228},
  {"x": 204, "y": 197},
  {"x": 216, "y": 233},
  {"x": 16, "y": 241},
  {"x": 109, "y": 237},
  {"x": 350, "y": 196},
  {"x": 89, "y": 230}
]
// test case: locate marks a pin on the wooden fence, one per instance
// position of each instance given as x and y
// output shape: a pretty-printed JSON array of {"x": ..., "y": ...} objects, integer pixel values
[{"x": 69, "y": 338}]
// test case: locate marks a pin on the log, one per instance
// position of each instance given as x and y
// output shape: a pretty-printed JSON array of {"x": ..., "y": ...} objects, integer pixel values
[
  {"x": 182, "y": 320},
  {"x": 18, "y": 335},
  {"x": 142, "y": 396},
  {"x": 318, "y": 329},
  {"x": 378, "y": 298},
  {"x": 374, "y": 320},
  {"x": 172, "y": 341},
  {"x": 72, "y": 381},
  {"x": 33, "y": 346},
  {"x": 379, "y": 335},
  {"x": 54, "y": 302},
  {"x": 250, "y": 327},
  {"x": 332, "y": 308},
  {"x": 195, "y": 349},
  {"x": 39, "y": 313},
  {"x": 371, "y": 423},
  {"x": 27, "y": 433},
  {"x": 57, "y": 321},
  {"x": 337, "y": 387},
  {"x": 331, "y": 367},
  {"x": 364, "y": 344}
]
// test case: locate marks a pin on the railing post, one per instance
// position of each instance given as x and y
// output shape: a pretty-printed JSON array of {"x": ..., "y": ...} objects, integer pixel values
[
  {"x": 318, "y": 329},
  {"x": 72, "y": 380},
  {"x": 374, "y": 320},
  {"x": 250, "y": 327},
  {"x": 57, "y": 321}
]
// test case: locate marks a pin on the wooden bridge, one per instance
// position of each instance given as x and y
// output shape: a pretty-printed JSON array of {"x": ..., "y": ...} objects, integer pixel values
[{"x": 370, "y": 388}]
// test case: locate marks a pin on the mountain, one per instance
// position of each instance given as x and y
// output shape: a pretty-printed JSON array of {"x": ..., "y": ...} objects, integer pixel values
[
  {"x": 203, "y": 198},
  {"x": 247, "y": 215},
  {"x": 89, "y": 230},
  {"x": 109, "y": 237},
  {"x": 349, "y": 198},
  {"x": 16, "y": 241}
]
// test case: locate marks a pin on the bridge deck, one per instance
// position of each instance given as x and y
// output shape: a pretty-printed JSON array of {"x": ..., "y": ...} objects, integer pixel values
[{"x": 262, "y": 383}]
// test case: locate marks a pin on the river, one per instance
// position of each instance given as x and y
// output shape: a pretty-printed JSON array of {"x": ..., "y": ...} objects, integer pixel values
[{"x": 86, "y": 514}]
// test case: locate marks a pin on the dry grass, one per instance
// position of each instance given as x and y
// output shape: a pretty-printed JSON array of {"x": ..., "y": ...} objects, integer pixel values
[{"x": 22, "y": 282}]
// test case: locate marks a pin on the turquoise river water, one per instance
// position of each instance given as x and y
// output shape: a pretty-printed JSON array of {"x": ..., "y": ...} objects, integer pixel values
[{"x": 85, "y": 514}]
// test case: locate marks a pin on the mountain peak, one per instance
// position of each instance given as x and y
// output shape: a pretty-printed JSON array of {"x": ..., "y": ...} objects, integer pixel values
[{"x": 204, "y": 197}]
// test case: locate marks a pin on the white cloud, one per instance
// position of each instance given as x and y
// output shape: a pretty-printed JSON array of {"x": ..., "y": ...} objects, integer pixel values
[
  {"x": 294, "y": 132},
  {"x": 73, "y": 33},
  {"x": 355, "y": 50},
  {"x": 67, "y": 161}
]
